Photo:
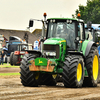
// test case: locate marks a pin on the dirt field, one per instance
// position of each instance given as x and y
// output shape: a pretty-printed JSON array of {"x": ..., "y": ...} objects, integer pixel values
[{"x": 12, "y": 89}]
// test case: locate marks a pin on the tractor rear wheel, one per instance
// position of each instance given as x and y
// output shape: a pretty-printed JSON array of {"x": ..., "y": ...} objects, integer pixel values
[
  {"x": 28, "y": 78},
  {"x": 92, "y": 66},
  {"x": 11, "y": 58},
  {"x": 73, "y": 71}
]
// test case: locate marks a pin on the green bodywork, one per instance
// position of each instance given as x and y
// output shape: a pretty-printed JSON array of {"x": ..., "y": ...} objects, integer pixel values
[
  {"x": 61, "y": 42},
  {"x": 84, "y": 45},
  {"x": 62, "y": 45},
  {"x": 59, "y": 62}
]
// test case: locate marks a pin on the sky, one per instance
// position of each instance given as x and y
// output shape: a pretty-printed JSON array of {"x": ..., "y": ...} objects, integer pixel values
[{"x": 15, "y": 14}]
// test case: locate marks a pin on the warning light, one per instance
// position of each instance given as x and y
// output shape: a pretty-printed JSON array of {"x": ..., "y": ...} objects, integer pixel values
[
  {"x": 80, "y": 41},
  {"x": 44, "y": 14},
  {"x": 24, "y": 40},
  {"x": 97, "y": 43},
  {"x": 78, "y": 15}
]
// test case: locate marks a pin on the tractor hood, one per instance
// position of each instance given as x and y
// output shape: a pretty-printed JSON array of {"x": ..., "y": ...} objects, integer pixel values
[{"x": 54, "y": 41}]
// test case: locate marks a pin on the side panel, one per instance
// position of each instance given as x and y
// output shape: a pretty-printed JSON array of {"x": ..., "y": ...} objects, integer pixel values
[{"x": 84, "y": 45}]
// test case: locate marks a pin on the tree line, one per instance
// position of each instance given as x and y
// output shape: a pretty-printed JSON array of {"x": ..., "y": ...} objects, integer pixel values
[{"x": 90, "y": 12}]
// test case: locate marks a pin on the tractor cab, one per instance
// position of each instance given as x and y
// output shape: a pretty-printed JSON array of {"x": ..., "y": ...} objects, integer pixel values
[
  {"x": 24, "y": 47},
  {"x": 92, "y": 32},
  {"x": 69, "y": 29}
]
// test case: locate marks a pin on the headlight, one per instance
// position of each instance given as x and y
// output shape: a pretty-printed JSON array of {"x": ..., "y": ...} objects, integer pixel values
[
  {"x": 98, "y": 35},
  {"x": 50, "y": 53}
]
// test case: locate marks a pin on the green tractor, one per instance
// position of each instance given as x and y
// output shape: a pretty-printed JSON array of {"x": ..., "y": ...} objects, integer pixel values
[{"x": 66, "y": 55}]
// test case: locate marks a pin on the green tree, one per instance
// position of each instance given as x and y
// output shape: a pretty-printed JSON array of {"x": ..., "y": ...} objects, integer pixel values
[{"x": 90, "y": 12}]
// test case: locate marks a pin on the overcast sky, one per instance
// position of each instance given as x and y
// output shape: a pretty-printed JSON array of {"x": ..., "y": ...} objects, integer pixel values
[{"x": 15, "y": 14}]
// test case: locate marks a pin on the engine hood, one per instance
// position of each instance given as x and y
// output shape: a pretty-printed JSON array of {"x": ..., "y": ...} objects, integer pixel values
[{"x": 54, "y": 41}]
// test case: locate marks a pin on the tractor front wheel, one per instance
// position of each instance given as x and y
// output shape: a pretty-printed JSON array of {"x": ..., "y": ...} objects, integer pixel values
[
  {"x": 28, "y": 78},
  {"x": 73, "y": 71}
]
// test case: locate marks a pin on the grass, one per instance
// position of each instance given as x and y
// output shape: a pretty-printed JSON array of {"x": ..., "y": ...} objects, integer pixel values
[
  {"x": 9, "y": 74},
  {"x": 8, "y": 65}
]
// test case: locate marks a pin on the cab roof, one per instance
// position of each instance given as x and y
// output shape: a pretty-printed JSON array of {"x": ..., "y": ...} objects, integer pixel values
[
  {"x": 63, "y": 18},
  {"x": 66, "y": 19}
]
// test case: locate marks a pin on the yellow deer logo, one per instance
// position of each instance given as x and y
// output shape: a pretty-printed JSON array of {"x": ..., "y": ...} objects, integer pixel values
[{"x": 40, "y": 61}]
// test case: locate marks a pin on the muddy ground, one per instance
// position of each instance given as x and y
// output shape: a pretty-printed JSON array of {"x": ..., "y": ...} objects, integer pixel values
[{"x": 12, "y": 89}]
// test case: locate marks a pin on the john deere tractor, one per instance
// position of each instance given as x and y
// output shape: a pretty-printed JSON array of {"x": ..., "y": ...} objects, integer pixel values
[{"x": 65, "y": 55}]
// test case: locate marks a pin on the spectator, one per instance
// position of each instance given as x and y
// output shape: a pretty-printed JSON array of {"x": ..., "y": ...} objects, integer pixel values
[{"x": 2, "y": 56}]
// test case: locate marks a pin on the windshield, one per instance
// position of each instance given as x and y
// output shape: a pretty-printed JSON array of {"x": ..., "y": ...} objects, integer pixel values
[
  {"x": 16, "y": 42},
  {"x": 63, "y": 30},
  {"x": 22, "y": 47},
  {"x": 97, "y": 36}
]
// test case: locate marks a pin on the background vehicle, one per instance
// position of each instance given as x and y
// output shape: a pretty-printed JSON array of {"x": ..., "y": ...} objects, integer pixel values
[
  {"x": 66, "y": 54},
  {"x": 93, "y": 33},
  {"x": 17, "y": 55},
  {"x": 1, "y": 42},
  {"x": 11, "y": 46}
]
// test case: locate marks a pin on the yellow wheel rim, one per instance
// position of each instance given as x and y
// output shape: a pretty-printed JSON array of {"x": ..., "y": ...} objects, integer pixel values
[
  {"x": 79, "y": 72},
  {"x": 37, "y": 76},
  {"x": 95, "y": 67}
]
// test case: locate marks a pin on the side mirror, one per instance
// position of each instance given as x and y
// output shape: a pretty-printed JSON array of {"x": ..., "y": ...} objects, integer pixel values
[
  {"x": 89, "y": 24},
  {"x": 31, "y": 23},
  {"x": 87, "y": 36}
]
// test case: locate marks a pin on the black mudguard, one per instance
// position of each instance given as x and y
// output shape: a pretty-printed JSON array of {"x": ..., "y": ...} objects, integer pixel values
[{"x": 89, "y": 45}]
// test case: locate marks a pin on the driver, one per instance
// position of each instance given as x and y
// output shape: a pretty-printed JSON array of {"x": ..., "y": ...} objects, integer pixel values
[
  {"x": 66, "y": 35},
  {"x": 23, "y": 48}
]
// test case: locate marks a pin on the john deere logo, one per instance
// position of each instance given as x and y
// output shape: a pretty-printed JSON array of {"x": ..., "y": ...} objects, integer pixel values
[{"x": 40, "y": 61}]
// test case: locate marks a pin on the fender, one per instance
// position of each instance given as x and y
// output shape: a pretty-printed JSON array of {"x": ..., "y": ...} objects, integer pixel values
[
  {"x": 76, "y": 53},
  {"x": 89, "y": 45}
]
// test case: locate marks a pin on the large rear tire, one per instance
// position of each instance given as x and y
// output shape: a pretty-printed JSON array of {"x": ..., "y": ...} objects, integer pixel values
[
  {"x": 73, "y": 71},
  {"x": 11, "y": 58},
  {"x": 92, "y": 66},
  {"x": 28, "y": 78}
]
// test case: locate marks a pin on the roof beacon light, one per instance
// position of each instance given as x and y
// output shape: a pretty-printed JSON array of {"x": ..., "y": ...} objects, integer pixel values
[
  {"x": 78, "y": 15},
  {"x": 45, "y": 14}
]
